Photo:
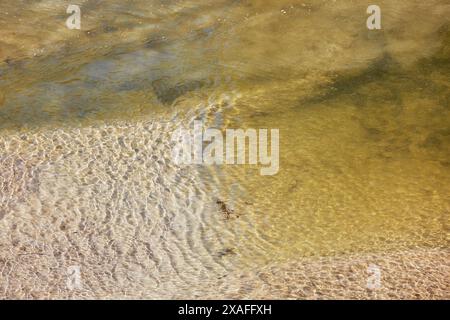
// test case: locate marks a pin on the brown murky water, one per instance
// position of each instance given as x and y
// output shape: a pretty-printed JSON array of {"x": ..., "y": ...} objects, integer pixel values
[{"x": 87, "y": 178}]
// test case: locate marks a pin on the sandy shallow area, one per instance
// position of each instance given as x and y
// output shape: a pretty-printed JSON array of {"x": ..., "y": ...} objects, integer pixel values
[
  {"x": 412, "y": 274},
  {"x": 409, "y": 274},
  {"x": 140, "y": 229}
]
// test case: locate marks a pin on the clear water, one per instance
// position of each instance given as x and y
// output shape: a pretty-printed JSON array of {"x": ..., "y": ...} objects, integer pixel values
[{"x": 87, "y": 177}]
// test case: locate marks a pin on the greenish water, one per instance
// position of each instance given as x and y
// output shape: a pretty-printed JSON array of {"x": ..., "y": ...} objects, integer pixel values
[{"x": 85, "y": 116}]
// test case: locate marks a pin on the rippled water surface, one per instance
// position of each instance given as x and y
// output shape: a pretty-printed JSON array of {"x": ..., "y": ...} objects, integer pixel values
[{"x": 87, "y": 178}]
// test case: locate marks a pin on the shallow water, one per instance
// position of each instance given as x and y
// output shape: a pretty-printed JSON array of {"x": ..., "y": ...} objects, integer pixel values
[{"x": 87, "y": 177}]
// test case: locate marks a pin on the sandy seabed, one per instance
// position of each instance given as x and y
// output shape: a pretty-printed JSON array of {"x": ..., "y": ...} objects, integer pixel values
[{"x": 106, "y": 199}]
